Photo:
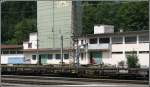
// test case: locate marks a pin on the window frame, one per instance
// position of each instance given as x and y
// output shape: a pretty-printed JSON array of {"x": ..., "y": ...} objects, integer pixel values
[
  {"x": 29, "y": 45},
  {"x": 143, "y": 52},
  {"x": 65, "y": 56},
  {"x": 117, "y": 52},
  {"x": 133, "y": 42},
  {"x": 146, "y": 41},
  {"x": 119, "y": 42},
  {"x": 104, "y": 40},
  {"x": 56, "y": 56},
  {"x": 49, "y": 56},
  {"x": 92, "y": 42},
  {"x": 130, "y": 53},
  {"x": 34, "y": 57}
]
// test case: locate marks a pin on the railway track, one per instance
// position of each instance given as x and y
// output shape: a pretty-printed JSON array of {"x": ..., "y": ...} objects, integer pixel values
[
  {"x": 82, "y": 72},
  {"x": 45, "y": 80}
]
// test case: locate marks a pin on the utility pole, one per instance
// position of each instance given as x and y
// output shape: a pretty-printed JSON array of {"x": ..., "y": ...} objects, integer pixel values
[
  {"x": 74, "y": 51},
  {"x": 37, "y": 52},
  {"x": 53, "y": 25},
  {"x": 149, "y": 44},
  {"x": 0, "y": 41},
  {"x": 77, "y": 55},
  {"x": 61, "y": 38}
]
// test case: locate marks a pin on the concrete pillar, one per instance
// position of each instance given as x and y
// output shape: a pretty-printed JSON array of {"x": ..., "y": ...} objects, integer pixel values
[
  {"x": 124, "y": 55},
  {"x": 137, "y": 42},
  {"x": 97, "y": 40},
  {"x": 110, "y": 47}
]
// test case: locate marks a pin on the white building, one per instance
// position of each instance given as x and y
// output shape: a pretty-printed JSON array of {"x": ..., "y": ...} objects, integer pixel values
[
  {"x": 104, "y": 46},
  {"x": 46, "y": 55},
  {"x": 12, "y": 54},
  {"x": 32, "y": 43},
  {"x": 109, "y": 47}
]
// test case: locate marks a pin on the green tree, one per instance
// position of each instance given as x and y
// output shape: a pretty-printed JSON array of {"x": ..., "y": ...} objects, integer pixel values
[
  {"x": 22, "y": 31},
  {"x": 129, "y": 16},
  {"x": 14, "y": 12},
  {"x": 132, "y": 60},
  {"x": 133, "y": 16},
  {"x": 121, "y": 63}
]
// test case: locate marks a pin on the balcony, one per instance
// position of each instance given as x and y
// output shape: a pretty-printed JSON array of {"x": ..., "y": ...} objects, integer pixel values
[{"x": 99, "y": 46}]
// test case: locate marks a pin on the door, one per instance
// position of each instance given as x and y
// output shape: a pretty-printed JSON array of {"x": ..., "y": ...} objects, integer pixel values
[
  {"x": 96, "y": 57},
  {"x": 44, "y": 58}
]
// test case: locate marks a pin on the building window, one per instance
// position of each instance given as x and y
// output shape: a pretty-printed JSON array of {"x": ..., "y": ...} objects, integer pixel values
[
  {"x": 33, "y": 57},
  {"x": 117, "y": 52},
  {"x": 130, "y": 39},
  {"x": 117, "y": 40},
  {"x": 5, "y": 52},
  {"x": 81, "y": 56},
  {"x": 50, "y": 56},
  {"x": 81, "y": 41},
  {"x": 93, "y": 41},
  {"x": 19, "y": 52},
  {"x": 58, "y": 56},
  {"x": 29, "y": 45},
  {"x": 144, "y": 52},
  {"x": 12, "y": 52},
  {"x": 66, "y": 56},
  {"x": 130, "y": 53},
  {"x": 104, "y": 40},
  {"x": 143, "y": 38}
]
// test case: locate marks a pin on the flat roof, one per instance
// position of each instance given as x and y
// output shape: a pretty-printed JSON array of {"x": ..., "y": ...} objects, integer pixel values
[
  {"x": 11, "y": 46},
  {"x": 116, "y": 34}
]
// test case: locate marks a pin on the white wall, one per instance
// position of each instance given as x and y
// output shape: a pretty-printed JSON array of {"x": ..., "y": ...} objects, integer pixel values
[
  {"x": 4, "y": 57},
  {"x": 85, "y": 59},
  {"x": 117, "y": 47},
  {"x": 33, "y": 40},
  {"x": 57, "y": 61},
  {"x": 143, "y": 47},
  {"x": 25, "y": 45},
  {"x": 144, "y": 59},
  {"x": 99, "y": 29},
  {"x": 28, "y": 55}
]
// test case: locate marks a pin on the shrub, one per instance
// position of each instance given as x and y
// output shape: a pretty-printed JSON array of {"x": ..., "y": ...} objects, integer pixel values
[
  {"x": 121, "y": 63},
  {"x": 132, "y": 61}
]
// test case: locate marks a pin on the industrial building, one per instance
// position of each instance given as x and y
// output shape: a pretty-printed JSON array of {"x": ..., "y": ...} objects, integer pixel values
[
  {"x": 56, "y": 19},
  {"x": 57, "y": 22}
]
